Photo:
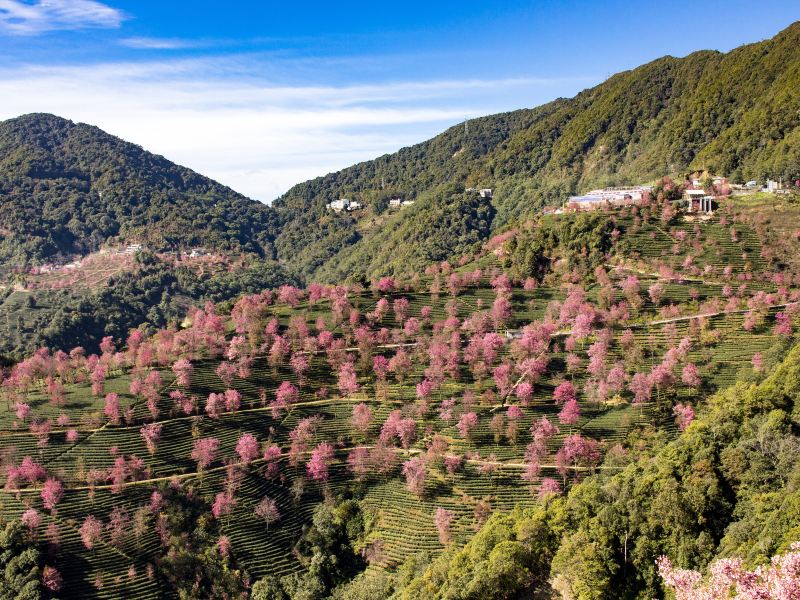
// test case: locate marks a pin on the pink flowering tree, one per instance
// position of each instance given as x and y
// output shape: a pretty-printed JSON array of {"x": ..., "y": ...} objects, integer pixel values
[
  {"x": 91, "y": 532},
  {"x": 151, "y": 434},
  {"x": 248, "y": 448},
  {"x": 183, "y": 369},
  {"x": 267, "y": 510},
  {"x": 415, "y": 472},
  {"x": 272, "y": 465},
  {"x": 348, "y": 382},
  {"x": 466, "y": 424},
  {"x": 564, "y": 392},
  {"x": 111, "y": 408},
  {"x": 684, "y": 415},
  {"x": 52, "y": 493},
  {"x": 319, "y": 464},
  {"x": 570, "y": 413},
  {"x": 443, "y": 519},
  {"x": 728, "y": 578},
  {"x": 362, "y": 418},
  {"x": 204, "y": 452}
]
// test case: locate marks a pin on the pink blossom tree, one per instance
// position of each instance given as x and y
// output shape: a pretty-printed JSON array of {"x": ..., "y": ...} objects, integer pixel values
[
  {"x": 267, "y": 510},
  {"x": 248, "y": 448},
  {"x": 183, "y": 372},
  {"x": 151, "y": 434},
  {"x": 466, "y": 424},
  {"x": 91, "y": 531},
  {"x": 317, "y": 468},
  {"x": 564, "y": 392},
  {"x": 52, "y": 492},
  {"x": 204, "y": 451},
  {"x": 684, "y": 415},
  {"x": 272, "y": 465},
  {"x": 570, "y": 413},
  {"x": 362, "y": 418},
  {"x": 728, "y": 578},
  {"x": 111, "y": 408},
  {"x": 348, "y": 382},
  {"x": 415, "y": 473},
  {"x": 443, "y": 519}
]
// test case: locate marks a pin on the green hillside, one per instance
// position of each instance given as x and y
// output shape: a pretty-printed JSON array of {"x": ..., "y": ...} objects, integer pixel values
[
  {"x": 67, "y": 189},
  {"x": 736, "y": 113},
  {"x": 388, "y": 441}
]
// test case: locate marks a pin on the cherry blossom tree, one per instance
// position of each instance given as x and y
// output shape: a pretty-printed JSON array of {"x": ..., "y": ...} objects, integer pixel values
[
  {"x": 32, "y": 520},
  {"x": 348, "y": 382},
  {"x": 247, "y": 448},
  {"x": 443, "y": 519},
  {"x": 224, "y": 503},
  {"x": 362, "y": 418},
  {"x": 577, "y": 452},
  {"x": 91, "y": 531},
  {"x": 111, "y": 408},
  {"x": 690, "y": 375},
  {"x": 267, "y": 510},
  {"x": 52, "y": 492},
  {"x": 564, "y": 392},
  {"x": 183, "y": 372},
  {"x": 548, "y": 487},
  {"x": 52, "y": 579},
  {"x": 359, "y": 463},
  {"x": 466, "y": 424},
  {"x": 728, "y": 578},
  {"x": 272, "y": 455},
  {"x": 151, "y": 434},
  {"x": 684, "y": 415},
  {"x": 321, "y": 457},
  {"x": 415, "y": 472},
  {"x": 641, "y": 385},
  {"x": 204, "y": 451},
  {"x": 570, "y": 413}
]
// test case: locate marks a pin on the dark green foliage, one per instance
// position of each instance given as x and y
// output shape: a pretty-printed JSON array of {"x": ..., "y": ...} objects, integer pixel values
[
  {"x": 735, "y": 114},
  {"x": 326, "y": 551},
  {"x": 448, "y": 222},
  {"x": 730, "y": 485},
  {"x": 20, "y": 565},
  {"x": 68, "y": 188},
  {"x": 581, "y": 240},
  {"x": 192, "y": 565},
  {"x": 155, "y": 295}
]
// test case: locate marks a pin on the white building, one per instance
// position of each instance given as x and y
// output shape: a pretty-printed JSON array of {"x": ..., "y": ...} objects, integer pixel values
[
  {"x": 395, "y": 202},
  {"x": 608, "y": 197},
  {"x": 345, "y": 204},
  {"x": 486, "y": 193},
  {"x": 132, "y": 249}
]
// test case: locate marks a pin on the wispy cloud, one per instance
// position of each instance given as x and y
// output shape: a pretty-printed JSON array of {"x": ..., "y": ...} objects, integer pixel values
[
  {"x": 150, "y": 43},
  {"x": 31, "y": 18},
  {"x": 251, "y": 133}
]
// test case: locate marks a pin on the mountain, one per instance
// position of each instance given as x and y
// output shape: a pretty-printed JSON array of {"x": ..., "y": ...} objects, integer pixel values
[
  {"x": 67, "y": 189},
  {"x": 735, "y": 113}
]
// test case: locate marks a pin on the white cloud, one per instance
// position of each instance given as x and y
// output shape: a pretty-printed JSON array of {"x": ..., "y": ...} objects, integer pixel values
[
  {"x": 249, "y": 133},
  {"x": 24, "y": 18},
  {"x": 149, "y": 43}
]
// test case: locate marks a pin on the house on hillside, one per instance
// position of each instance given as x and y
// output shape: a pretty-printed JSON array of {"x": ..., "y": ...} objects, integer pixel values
[
  {"x": 132, "y": 249},
  {"x": 344, "y": 204},
  {"x": 486, "y": 193},
  {"x": 395, "y": 202},
  {"x": 697, "y": 201},
  {"x": 608, "y": 198}
]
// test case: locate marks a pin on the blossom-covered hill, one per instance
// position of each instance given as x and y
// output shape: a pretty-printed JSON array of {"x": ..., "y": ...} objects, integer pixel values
[{"x": 551, "y": 413}]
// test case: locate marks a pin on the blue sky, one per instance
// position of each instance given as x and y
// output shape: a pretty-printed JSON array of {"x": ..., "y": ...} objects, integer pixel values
[{"x": 262, "y": 94}]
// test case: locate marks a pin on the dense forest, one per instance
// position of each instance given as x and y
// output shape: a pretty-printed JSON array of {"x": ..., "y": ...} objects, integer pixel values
[{"x": 732, "y": 113}]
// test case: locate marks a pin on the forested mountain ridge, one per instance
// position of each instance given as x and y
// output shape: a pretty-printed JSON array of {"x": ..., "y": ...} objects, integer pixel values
[
  {"x": 735, "y": 113},
  {"x": 66, "y": 189}
]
